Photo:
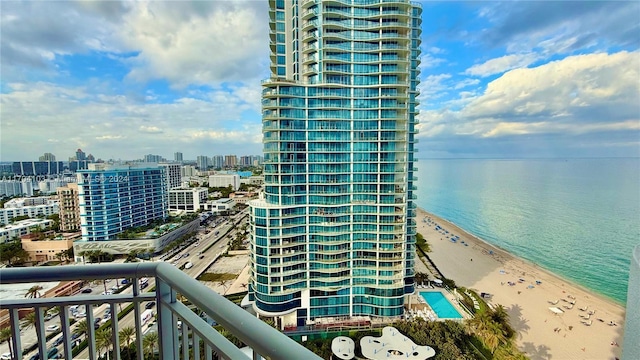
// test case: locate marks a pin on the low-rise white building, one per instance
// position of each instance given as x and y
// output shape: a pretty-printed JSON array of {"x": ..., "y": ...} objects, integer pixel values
[
  {"x": 220, "y": 205},
  {"x": 188, "y": 199},
  {"x": 224, "y": 180},
  {"x": 23, "y": 227},
  {"x": 31, "y": 207}
]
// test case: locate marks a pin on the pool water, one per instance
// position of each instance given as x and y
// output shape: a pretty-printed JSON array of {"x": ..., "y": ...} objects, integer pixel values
[{"x": 440, "y": 305}]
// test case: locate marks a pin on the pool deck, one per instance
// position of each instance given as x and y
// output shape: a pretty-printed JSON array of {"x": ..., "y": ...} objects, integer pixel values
[{"x": 418, "y": 306}]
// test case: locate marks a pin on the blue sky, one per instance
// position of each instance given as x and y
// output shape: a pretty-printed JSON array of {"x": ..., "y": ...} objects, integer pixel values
[{"x": 499, "y": 79}]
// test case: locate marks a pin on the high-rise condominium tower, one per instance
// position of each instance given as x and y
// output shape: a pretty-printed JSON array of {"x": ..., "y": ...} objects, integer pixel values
[{"x": 335, "y": 233}]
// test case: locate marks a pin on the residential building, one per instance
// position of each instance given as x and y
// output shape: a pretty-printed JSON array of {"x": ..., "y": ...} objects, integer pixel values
[
  {"x": 243, "y": 197},
  {"x": 230, "y": 161},
  {"x": 47, "y": 157},
  {"x": 150, "y": 158},
  {"x": 50, "y": 186},
  {"x": 334, "y": 233},
  {"x": 188, "y": 170},
  {"x": 22, "y": 227},
  {"x": 31, "y": 207},
  {"x": 631, "y": 345},
  {"x": 115, "y": 197},
  {"x": 202, "y": 162},
  {"x": 68, "y": 198},
  {"x": 16, "y": 187},
  {"x": 45, "y": 249},
  {"x": 75, "y": 165},
  {"x": 217, "y": 161},
  {"x": 91, "y": 158},
  {"x": 188, "y": 199},
  {"x": 177, "y": 157},
  {"x": 173, "y": 175},
  {"x": 37, "y": 168},
  {"x": 80, "y": 155},
  {"x": 224, "y": 180},
  {"x": 246, "y": 160}
]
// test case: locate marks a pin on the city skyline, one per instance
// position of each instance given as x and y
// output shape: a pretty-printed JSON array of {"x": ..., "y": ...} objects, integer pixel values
[{"x": 498, "y": 79}]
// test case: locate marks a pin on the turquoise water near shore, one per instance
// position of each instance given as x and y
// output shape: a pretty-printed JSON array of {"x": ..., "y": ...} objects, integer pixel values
[{"x": 578, "y": 218}]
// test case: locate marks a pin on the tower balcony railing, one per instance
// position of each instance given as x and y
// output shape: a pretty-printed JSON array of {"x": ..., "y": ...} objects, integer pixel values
[{"x": 180, "y": 330}]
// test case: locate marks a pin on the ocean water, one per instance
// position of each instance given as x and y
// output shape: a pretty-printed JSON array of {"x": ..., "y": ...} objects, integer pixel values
[{"x": 578, "y": 218}]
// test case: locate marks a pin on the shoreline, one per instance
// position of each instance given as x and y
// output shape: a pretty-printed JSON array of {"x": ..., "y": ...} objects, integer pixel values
[
  {"x": 528, "y": 262},
  {"x": 528, "y": 291}
]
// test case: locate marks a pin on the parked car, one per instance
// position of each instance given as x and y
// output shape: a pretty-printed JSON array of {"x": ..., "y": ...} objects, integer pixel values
[
  {"x": 5, "y": 356},
  {"x": 52, "y": 328},
  {"x": 201, "y": 257},
  {"x": 48, "y": 317},
  {"x": 149, "y": 305},
  {"x": 124, "y": 281},
  {"x": 86, "y": 291}
]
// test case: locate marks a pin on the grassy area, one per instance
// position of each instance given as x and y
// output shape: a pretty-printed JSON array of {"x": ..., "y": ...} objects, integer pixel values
[{"x": 216, "y": 276}]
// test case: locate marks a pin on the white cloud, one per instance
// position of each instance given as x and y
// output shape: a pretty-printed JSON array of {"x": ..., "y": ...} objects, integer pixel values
[
  {"x": 585, "y": 94},
  {"x": 429, "y": 61},
  {"x": 201, "y": 44},
  {"x": 105, "y": 124},
  {"x": 501, "y": 64}
]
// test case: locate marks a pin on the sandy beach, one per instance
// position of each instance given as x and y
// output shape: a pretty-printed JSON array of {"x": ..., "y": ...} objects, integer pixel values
[{"x": 542, "y": 334}]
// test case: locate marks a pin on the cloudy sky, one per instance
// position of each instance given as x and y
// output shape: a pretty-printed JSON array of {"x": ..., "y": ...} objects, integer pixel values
[{"x": 499, "y": 79}]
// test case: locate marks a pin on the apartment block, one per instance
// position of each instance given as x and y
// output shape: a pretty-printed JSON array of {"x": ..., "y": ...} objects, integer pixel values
[{"x": 69, "y": 201}]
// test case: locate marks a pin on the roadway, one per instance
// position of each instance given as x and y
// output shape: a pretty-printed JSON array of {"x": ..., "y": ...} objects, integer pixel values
[{"x": 205, "y": 240}]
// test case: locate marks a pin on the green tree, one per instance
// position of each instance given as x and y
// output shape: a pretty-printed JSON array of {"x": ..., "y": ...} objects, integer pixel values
[
  {"x": 104, "y": 340},
  {"x": 149, "y": 343},
  {"x": 6, "y": 335},
  {"x": 12, "y": 253},
  {"x": 34, "y": 292},
  {"x": 125, "y": 335},
  {"x": 82, "y": 327},
  {"x": 29, "y": 320}
]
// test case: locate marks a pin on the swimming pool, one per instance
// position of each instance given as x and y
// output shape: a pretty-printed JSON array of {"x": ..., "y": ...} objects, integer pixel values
[{"x": 440, "y": 305}]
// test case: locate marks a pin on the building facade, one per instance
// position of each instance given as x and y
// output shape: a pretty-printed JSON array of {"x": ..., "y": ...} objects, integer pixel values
[
  {"x": 113, "y": 198},
  {"x": 189, "y": 199},
  {"x": 47, "y": 157},
  {"x": 31, "y": 207},
  {"x": 177, "y": 157},
  {"x": 37, "y": 168},
  {"x": 202, "y": 162},
  {"x": 69, "y": 208},
  {"x": 335, "y": 233},
  {"x": 22, "y": 228},
  {"x": 224, "y": 180},
  {"x": 16, "y": 187},
  {"x": 41, "y": 250},
  {"x": 173, "y": 174}
]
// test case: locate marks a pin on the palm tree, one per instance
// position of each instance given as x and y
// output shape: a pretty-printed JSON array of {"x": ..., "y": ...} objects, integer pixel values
[
  {"x": 149, "y": 342},
  {"x": 103, "y": 340},
  {"x": 82, "y": 327},
  {"x": 29, "y": 320},
  {"x": 34, "y": 292},
  {"x": 7, "y": 334},
  {"x": 125, "y": 337}
]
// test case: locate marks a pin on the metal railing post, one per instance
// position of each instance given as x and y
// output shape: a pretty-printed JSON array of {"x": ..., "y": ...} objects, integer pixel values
[
  {"x": 42, "y": 335},
  {"x": 63, "y": 311},
  {"x": 15, "y": 333},
  {"x": 115, "y": 336},
  {"x": 165, "y": 295}
]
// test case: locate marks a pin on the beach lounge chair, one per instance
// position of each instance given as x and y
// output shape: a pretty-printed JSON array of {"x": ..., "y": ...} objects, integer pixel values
[
  {"x": 553, "y": 302},
  {"x": 583, "y": 308},
  {"x": 588, "y": 323}
]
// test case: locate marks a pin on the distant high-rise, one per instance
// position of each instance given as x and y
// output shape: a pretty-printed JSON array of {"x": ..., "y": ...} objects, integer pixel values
[
  {"x": 335, "y": 232},
  {"x": 34, "y": 168},
  {"x": 150, "y": 158},
  {"x": 177, "y": 156},
  {"x": 230, "y": 161},
  {"x": 217, "y": 161},
  {"x": 47, "y": 157},
  {"x": 80, "y": 155},
  {"x": 202, "y": 162},
  {"x": 91, "y": 158}
]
